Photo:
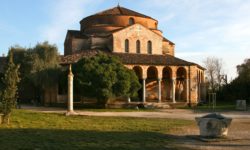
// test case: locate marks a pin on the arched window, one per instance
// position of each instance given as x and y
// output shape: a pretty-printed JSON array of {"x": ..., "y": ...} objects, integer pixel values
[
  {"x": 126, "y": 45},
  {"x": 149, "y": 47},
  {"x": 138, "y": 46},
  {"x": 131, "y": 21}
]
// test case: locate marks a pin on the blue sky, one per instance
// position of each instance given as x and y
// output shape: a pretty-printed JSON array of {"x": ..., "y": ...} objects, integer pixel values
[{"x": 199, "y": 28}]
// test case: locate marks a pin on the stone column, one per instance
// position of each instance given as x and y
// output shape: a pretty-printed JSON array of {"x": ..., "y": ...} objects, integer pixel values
[
  {"x": 199, "y": 92},
  {"x": 129, "y": 100},
  {"x": 70, "y": 91},
  {"x": 144, "y": 90},
  {"x": 159, "y": 90},
  {"x": 187, "y": 90},
  {"x": 173, "y": 90}
]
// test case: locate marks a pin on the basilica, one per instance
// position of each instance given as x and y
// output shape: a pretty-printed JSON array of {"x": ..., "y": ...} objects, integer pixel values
[{"x": 141, "y": 46}]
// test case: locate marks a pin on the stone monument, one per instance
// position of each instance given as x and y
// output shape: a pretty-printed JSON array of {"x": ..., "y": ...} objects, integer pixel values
[
  {"x": 241, "y": 105},
  {"x": 213, "y": 125}
]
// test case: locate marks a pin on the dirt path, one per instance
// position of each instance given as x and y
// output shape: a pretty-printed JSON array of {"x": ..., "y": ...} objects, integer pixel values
[{"x": 167, "y": 113}]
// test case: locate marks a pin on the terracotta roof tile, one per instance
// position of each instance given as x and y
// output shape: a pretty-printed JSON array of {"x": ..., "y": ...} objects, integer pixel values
[
  {"x": 121, "y": 11},
  {"x": 128, "y": 58}
]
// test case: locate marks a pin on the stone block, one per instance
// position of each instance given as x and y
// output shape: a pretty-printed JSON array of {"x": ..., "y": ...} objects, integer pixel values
[
  {"x": 213, "y": 125},
  {"x": 241, "y": 105}
]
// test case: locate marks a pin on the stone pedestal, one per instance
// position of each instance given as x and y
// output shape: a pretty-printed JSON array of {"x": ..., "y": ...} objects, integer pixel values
[
  {"x": 241, "y": 105},
  {"x": 213, "y": 125}
]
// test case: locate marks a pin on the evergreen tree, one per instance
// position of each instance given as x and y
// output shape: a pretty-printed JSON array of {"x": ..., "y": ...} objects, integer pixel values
[
  {"x": 104, "y": 77},
  {"x": 9, "y": 94}
]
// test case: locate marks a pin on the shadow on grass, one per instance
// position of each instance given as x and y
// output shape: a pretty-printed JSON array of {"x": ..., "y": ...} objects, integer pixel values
[
  {"x": 39, "y": 139},
  {"x": 81, "y": 139}
]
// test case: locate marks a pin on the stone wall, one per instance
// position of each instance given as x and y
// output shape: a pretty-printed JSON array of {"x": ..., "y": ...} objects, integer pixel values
[
  {"x": 118, "y": 21},
  {"x": 168, "y": 48},
  {"x": 134, "y": 33}
]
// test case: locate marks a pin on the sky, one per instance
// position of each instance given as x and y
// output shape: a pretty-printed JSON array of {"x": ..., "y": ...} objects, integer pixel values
[{"x": 199, "y": 28}]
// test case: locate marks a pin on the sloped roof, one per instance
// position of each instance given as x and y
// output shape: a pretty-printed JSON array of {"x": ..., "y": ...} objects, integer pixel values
[
  {"x": 129, "y": 58},
  {"x": 165, "y": 39},
  {"x": 118, "y": 10}
]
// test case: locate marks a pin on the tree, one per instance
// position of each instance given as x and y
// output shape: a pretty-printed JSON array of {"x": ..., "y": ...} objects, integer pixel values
[
  {"x": 104, "y": 77},
  {"x": 244, "y": 70},
  {"x": 240, "y": 86},
  {"x": 39, "y": 68},
  {"x": 214, "y": 70},
  {"x": 9, "y": 94}
]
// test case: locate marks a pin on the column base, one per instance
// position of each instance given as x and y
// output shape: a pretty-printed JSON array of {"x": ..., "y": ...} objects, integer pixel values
[{"x": 70, "y": 113}]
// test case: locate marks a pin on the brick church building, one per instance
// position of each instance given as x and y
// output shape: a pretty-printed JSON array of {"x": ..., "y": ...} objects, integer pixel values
[{"x": 141, "y": 46}]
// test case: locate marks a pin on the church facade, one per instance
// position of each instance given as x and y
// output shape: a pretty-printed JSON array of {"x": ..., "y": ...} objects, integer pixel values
[{"x": 141, "y": 46}]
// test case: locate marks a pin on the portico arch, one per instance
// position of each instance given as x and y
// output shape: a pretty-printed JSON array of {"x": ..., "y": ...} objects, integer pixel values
[
  {"x": 139, "y": 73},
  {"x": 167, "y": 83},
  {"x": 151, "y": 83},
  {"x": 181, "y": 84}
]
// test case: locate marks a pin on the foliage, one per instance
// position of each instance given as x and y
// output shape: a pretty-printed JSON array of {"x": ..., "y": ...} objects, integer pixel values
[
  {"x": 1, "y": 85},
  {"x": 104, "y": 77},
  {"x": 214, "y": 70},
  {"x": 9, "y": 94},
  {"x": 240, "y": 86},
  {"x": 39, "y": 67}
]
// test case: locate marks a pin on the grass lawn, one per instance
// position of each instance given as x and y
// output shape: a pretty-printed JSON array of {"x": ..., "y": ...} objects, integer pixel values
[
  {"x": 220, "y": 107},
  {"x": 31, "y": 130}
]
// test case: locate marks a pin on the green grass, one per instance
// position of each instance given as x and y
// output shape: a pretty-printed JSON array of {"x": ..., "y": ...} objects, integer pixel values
[
  {"x": 220, "y": 106},
  {"x": 32, "y": 130}
]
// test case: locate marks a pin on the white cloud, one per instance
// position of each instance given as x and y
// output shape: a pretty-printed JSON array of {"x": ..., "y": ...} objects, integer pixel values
[{"x": 200, "y": 29}]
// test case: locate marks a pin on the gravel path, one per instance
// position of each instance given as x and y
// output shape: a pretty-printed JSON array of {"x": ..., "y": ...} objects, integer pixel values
[{"x": 166, "y": 113}]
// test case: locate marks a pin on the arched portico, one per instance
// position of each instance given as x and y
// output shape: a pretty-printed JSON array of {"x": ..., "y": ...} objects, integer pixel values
[
  {"x": 167, "y": 83},
  {"x": 181, "y": 84},
  {"x": 139, "y": 73},
  {"x": 151, "y": 83},
  {"x": 164, "y": 83}
]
